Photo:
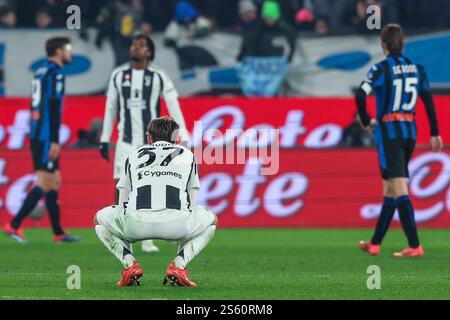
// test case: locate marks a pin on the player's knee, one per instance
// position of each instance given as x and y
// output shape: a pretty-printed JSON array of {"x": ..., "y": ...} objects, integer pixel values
[
  {"x": 387, "y": 192},
  {"x": 45, "y": 187},
  {"x": 399, "y": 187},
  {"x": 400, "y": 193},
  {"x": 56, "y": 183},
  {"x": 211, "y": 214},
  {"x": 96, "y": 218},
  {"x": 386, "y": 188},
  {"x": 103, "y": 215},
  {"x": 215, "y": 221}
]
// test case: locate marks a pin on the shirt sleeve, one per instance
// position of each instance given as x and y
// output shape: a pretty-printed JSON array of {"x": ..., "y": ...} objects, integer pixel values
[
  {"x": 374, "y": 79},
  {"x": 111, "y": 108},
  {"x": 194, "y": 180},
  {"x": 168, "y": 88},
  {"x": 125, "y": 177},
  {"x": 173, "y": 105},
  {"x": 427, "y": 98},
  {"x": 55, "y": 104},
  {"x": 424, "y": 83},
  {"x": 57, "y": 85}
]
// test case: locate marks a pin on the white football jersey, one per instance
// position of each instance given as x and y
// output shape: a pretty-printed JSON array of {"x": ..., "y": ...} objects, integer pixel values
[
  {"x": 159, "y": 177},
  {"x": 135, "y": 95}
]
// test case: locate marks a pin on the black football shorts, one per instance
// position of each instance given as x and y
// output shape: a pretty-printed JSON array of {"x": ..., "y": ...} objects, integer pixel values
[{"x": 39, "y": 151}]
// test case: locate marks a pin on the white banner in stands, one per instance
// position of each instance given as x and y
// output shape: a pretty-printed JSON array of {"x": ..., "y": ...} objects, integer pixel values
[
  {"x": 24, "y": 50},
  {"x": 324, "y": 66}
]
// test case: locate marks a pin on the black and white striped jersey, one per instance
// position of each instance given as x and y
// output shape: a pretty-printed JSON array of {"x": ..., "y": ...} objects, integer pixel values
[
  {"x": 134, "y": 95},
  {"x": 160, "y": 176}
]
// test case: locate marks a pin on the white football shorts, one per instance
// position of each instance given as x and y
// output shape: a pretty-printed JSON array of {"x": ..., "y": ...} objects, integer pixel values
[
  {"x": 169, "y": 224},
  {"x": 123, "y": 150}
]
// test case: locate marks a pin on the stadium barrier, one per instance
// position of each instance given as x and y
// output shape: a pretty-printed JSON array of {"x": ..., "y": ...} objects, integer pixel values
[
  {"x": 208, "y": 65},
  {"x": 317, "y": 185}
]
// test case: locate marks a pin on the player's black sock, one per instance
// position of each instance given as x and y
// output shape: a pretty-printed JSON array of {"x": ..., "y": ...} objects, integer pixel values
[
  {"x": 387, "y": 212},
  {"x": 51, "y": 202},
  {"x": 406, "y": 212},
  {"x": 126, "y": 252},
  {"x": 28, "y": 205},
  {"x": 181, "y": 253}
]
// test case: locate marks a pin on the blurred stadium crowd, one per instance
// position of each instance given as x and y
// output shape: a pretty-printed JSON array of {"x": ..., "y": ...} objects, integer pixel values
[
  {"x": 119, "y": 20},
  {"x": 128, "y": 16}
]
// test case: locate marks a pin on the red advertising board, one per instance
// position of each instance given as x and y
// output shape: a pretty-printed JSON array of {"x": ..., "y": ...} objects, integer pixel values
[
  {"x": 316, "y": 185},
  {"x": 313, "y": 188},
  {"x": 309, "y": 122}
]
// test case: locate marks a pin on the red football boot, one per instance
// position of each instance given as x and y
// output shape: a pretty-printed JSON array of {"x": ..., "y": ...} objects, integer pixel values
[
  {"x": 131, "y": 275},
  {"x": 370, "y": 248},
  {"x": 16, "y": 234},
  {"x": 178, "y": 276},
  {"x": 58, "y": 238},
  {"x": 410, "y": 252}
]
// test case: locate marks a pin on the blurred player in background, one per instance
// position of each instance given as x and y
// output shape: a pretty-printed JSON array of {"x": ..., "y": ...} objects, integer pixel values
[
  {"x": 134, "y": 93},
  {"x": 46, "y": 113},
  {"x": 158, "y": 187},
  {"x": 397, "y": 83}
]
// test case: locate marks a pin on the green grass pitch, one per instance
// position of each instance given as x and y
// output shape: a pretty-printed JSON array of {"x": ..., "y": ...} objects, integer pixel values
[{"x": 238, "y": 264}]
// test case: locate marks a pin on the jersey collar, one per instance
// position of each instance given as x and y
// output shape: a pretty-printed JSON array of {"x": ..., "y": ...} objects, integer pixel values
[
  {"x": 52, "y": 64},
  {"x": 161, "y": 143}
]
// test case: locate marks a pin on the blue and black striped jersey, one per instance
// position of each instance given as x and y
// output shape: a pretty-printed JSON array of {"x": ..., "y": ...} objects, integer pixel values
[
  {"x": 47, "y": 103},
  {"x": 397, "y": 83}
]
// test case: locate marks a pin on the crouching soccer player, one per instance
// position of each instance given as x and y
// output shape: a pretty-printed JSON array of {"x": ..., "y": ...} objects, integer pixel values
[
  {"x": 157, "y": 192},
  {"x": 134, "y": 94},
  {"x": 397, "y": 83}
]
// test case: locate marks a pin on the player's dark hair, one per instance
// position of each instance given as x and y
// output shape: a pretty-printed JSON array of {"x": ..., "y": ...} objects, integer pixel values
[
  {"x": 54, "y": 44},
  {"x": 393, "y": 38},
  {"x": 163, "y": 129},
  {"x": 149, "y": 42}
]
